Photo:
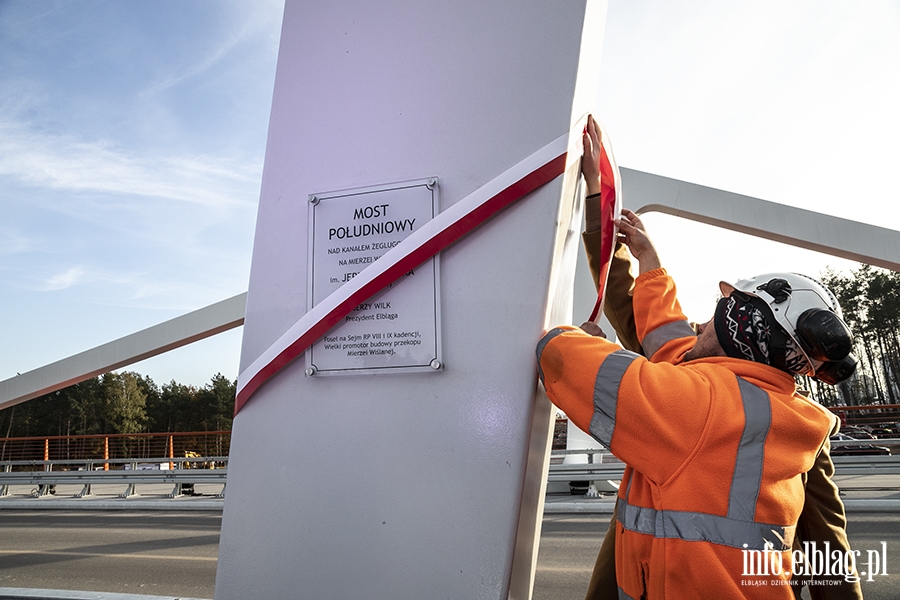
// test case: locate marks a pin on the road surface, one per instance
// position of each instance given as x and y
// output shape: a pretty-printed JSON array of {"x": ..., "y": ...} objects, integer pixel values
[{"x": 170, "y": 553}]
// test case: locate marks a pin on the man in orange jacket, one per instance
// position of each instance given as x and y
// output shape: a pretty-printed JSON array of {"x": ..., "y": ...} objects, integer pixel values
[
  {"x": 823, "y": 520},
  {"x": 717, "y": 445}
]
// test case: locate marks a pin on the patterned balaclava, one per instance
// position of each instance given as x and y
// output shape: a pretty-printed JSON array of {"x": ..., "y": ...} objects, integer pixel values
[{"x": 744, "y": 332}]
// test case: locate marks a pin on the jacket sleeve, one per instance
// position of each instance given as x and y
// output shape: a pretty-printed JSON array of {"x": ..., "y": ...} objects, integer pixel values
[
  {"x": 662, "y": 329},
  {"x": 649, "y": 415},
  {"x": 617, "y": 306},
  {"x": 823, "y": 520}
]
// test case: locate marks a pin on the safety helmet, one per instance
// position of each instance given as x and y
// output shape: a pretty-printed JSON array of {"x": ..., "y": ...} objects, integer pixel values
[{"x": 810, "y": 316}]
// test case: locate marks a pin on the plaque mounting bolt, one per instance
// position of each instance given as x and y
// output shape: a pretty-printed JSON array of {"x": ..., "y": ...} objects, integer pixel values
[
  {"x": 313, "y": 199},
  {"x": 310, "y": 371},
  {"x": 431, "y": 183},
  {"x": 436, "y": 364}
]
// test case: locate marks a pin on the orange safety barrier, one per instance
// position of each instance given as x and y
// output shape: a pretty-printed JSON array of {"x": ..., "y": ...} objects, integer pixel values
[
  {"x": 115, "y": 446},
  {"x": 884, "y": 419}
]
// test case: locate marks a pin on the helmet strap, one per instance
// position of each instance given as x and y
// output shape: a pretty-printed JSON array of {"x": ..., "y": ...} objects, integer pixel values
[{"x": 778, "y": 346}]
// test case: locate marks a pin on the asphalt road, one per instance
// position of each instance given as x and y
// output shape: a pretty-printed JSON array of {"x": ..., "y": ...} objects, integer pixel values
[
  {"x": 153, "y": 552},
  {"x": 167, "y": 553},
  {"x": 569, "y": 545}
]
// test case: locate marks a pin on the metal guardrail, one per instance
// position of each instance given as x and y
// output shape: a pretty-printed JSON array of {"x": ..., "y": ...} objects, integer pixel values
[
  {"x": 867, "y": 465},
  {"x": 90, "y": 472},
  {"x": 867, "y": 442},
  {"x": 601, "y": 466}
]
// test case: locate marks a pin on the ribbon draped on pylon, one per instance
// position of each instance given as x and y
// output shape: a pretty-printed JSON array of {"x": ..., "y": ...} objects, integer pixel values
[
  {"x": 461, "y": 218},
  {"x": 610, "y": 208}
]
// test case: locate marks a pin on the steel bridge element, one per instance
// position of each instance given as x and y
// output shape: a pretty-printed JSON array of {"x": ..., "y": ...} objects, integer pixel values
[
  {"x": 646, "y": 192},
  {"x": 806, "y": 229},
  {"x": 168, "y": 335}
]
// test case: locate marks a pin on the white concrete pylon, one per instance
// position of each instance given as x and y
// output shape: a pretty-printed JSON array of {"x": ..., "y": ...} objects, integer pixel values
[{"x": 391, "y": 484}]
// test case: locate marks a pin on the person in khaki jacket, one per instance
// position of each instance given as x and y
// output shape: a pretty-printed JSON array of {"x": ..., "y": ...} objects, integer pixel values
[{"x": 822, "y": 519}]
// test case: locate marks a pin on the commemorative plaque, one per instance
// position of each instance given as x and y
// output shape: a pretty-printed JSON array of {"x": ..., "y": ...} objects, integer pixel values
[{"x": 397, "y": 329}]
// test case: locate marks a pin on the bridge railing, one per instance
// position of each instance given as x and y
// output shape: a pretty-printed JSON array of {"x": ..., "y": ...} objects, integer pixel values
[
  {"x": 182, "y": 473},
  {"x": 124, "y": 445}
]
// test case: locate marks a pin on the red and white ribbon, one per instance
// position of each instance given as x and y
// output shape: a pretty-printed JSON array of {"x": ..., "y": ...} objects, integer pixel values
[
  {"x": 610, "y": 209},
  {"x": 540, "y": 168}
]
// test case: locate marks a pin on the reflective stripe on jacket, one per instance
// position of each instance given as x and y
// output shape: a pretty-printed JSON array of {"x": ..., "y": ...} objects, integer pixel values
[{"x": 715, "y": 450}]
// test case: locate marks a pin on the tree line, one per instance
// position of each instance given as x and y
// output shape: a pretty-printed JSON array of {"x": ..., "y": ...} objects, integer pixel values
[
  {"x": 870, "y": 300},
  {"x": 124, "y": 402}
]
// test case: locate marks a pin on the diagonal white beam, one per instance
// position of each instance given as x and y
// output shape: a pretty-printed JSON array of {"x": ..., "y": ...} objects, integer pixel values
[
  {"x": 171, "y": 334},
  {"x": 643, "y": 192}
]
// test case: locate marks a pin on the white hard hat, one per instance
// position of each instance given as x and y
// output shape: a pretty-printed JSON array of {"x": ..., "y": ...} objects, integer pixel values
[{"x": 811, "y": 317}]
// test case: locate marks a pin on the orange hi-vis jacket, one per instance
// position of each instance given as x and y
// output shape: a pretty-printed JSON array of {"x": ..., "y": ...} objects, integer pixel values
[{"x": 714, "y": 447}]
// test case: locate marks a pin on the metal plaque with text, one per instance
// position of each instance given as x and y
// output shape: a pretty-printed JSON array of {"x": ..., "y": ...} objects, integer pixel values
[{"x": 397, "y": 329}]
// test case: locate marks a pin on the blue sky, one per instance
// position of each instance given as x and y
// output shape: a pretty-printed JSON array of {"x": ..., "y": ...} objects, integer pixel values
[{"x": 132, "y": 137}]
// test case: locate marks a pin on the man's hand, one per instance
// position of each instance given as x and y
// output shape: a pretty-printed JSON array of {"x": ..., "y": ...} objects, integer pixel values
[
  {"x": 590, "y": 160},
  {"x": 593, "y": 329},
  {"x": 634, "y": 235}
]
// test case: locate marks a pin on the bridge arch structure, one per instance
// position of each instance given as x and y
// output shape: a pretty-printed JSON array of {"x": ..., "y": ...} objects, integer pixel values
[{"x": 843, "y": 238}]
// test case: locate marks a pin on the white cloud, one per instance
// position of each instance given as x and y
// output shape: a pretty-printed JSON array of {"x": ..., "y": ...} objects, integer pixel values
[
  {"x": 64, "y": 280},
  {"x": 254, "y": 23},
  {"x": 63, "y": 162},
  {"x": 13, "y": 242},
  {"x": 133, "y": 289}
]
